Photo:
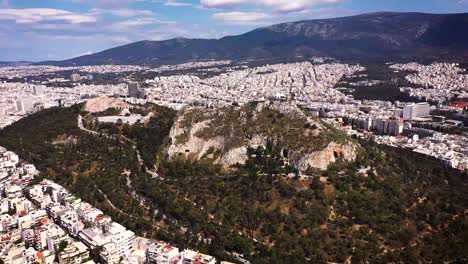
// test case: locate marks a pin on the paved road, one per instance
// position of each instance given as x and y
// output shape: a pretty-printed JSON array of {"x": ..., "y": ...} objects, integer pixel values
[{"x": 80, "y": 126}]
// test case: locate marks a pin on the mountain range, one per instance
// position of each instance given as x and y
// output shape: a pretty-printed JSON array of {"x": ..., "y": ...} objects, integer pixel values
[
  {"x": 14, "y": 63},
  {"x": 373, "y": 37}
]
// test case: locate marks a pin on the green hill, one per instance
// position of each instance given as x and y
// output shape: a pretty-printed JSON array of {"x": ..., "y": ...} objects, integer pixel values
[
  {"x": 385, "y": 206},
  {"x": 225, "y": 134}
]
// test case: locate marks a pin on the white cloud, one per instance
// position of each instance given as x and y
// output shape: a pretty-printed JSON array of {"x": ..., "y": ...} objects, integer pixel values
[
  {"x": 176, "y": 3},
  {"x": 222, "y": 4},
  {"x": 284, "y": 6},
  {"x": 53, "y": 26},
  {"x": 81, "y": 38},
  {"x": 89, "y": 52},
  {"x": 124, "y": 3},
  {"x": 135, "y": 22},
  {"x": 157, "y": 37},
  {"x": 242, "y": 18},
  {"x": 139, "y": 22},
  {"x": 107, "y": 3},
  {"x": 36, "y": 15},
  {"x": 68, "y": 37},
  {"x": 262, "y": 19},
  {"x": 120, "y": 39},
  {"x": 124, "y": 12}
]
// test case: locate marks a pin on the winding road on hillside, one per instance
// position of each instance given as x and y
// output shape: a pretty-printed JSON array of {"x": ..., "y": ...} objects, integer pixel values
[{"x": 142, "y": 200}]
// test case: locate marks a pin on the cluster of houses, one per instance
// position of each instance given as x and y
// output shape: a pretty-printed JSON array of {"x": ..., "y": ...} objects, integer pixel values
[{"x": 44, "y": 223}]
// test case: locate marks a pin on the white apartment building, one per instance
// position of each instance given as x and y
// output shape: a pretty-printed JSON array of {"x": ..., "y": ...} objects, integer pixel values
[
  {"x": 192, "y": 257},
  {"x": 110, "y": 254},
  {"x": 413, "y": 111},
  {"x": 161, "y": 253}
]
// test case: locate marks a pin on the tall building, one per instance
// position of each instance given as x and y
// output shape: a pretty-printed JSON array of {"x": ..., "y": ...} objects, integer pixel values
[
  {"x": 38, "y": 90},
  {"x": 75, "y": 77},
  {"x": 19, "y": 106},
  {"x": 395, "y": 127},
  {"x": 142, "y": 94},
  {"x": 413, "y": 111},
  {"x": 385, "y": 126},
  {"x": 133, "y": 90},
  {"x": 25, "y": 105},
  {"x": 380, "y": 126}
]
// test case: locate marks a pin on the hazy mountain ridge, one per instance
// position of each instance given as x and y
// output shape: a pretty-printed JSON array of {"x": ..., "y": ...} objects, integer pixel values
[
  {"x": 380, "y": 37},
  {"x": 14, "y": 63}
]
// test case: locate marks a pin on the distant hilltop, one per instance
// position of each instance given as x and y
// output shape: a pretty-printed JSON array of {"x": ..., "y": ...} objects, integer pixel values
[{"x": 374, "y": 37}]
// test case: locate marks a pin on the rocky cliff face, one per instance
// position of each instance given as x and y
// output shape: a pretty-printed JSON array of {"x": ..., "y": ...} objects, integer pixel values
[
  {"x": 186, "y": 143},
  {"x": 321, "y": 159},
  {"x": 225, "y": 134}
]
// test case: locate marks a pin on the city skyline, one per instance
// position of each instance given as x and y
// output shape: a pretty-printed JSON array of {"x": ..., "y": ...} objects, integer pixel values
[{"x": 61, "y": 29}]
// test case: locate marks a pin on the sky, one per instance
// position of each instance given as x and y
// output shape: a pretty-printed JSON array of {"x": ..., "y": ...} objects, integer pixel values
[{"x": 37, "y": 30}]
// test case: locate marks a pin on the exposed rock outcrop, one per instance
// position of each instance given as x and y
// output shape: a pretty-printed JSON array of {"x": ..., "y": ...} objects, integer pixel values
[
  {"x": 103, "y": 103},
  {"x": 225, "y": 134},
  {"x": 185, "y": 141},
  {"x": 323, "y": 158},
  {"x": 234, "y": 156}
]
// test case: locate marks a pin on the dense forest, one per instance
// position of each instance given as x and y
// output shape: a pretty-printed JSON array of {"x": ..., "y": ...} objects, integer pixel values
[
  {"x": 390, "y": 205},
  {"x": 90, "y": 166},
  {"x": 148, "y": 137}
]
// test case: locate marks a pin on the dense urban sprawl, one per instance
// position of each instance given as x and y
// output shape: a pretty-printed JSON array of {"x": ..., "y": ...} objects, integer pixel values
[
  {"x": 440, "y": 82},
  {"x": 421, "y": 127}
]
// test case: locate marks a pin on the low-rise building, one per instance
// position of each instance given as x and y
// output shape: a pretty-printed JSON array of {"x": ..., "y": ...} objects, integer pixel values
[{"x": 74, "y": 252}]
